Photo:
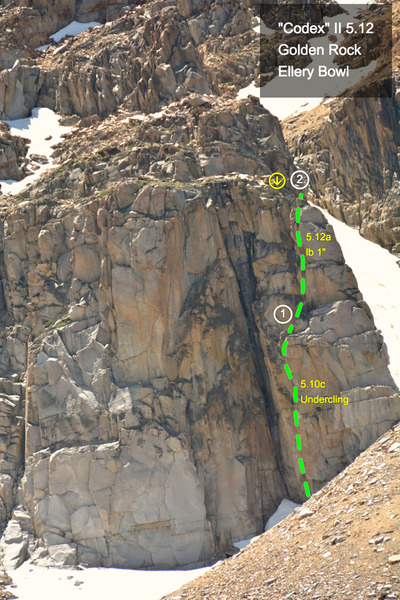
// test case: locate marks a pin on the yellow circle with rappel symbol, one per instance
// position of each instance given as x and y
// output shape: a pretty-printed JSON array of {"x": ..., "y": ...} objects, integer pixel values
[{"x": 277, "y": 181}]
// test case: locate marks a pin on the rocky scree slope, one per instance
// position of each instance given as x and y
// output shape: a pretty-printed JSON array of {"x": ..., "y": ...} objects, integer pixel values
[
  {"x": 342, "y": 543},
  {"x": 146, "y": 416},
  {"x": 149, "y": 56},
  {"x": 350, "y": 148}
]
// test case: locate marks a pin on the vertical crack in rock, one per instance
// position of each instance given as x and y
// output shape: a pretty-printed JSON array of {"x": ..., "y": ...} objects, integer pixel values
[{"x": 247, "y": 284}]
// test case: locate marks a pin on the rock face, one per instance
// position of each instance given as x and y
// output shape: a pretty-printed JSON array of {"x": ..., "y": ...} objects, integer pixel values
[
  {"x": 170, "y": 394},
  {"x": 350, "y": 148},
  {"x": 139, "y": 503},
  {"x": 12, "y": 152},
  {"x": 159, "y": 418},
  {"x": 139, "y": 280},
  {"x": 356, "y": 177},
  {"x": 11, "y": 450}
]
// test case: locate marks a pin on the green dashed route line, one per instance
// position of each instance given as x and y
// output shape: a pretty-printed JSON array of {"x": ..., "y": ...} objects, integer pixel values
[{"x": 285, "y": 344}]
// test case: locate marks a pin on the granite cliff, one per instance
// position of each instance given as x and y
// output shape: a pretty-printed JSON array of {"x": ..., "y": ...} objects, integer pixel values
[{"x": 146, "y": 414}]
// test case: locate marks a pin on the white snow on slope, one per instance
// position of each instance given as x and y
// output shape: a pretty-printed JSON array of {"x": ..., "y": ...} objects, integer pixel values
[
  {"x": 42, "y": 124},
  {"x": 34, "y": 583},
  {"x": 378, "y": 277},
  {"x": 280, "y": 107},
  {"x": 241, "y": 544},
  {"x": 261, "y": 28},
  {"x": 71, "y": 584},
  {"x": 74, "y": 28},
  {"x": 285, "y": 508}
]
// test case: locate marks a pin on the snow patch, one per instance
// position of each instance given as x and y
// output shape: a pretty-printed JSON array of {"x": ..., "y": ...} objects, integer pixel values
[
  {"x": 243, "y": 543},
  {"x": 43, "y": 129},
  {"x": 378, "y": 278},
  {"x": 44, "y": 47},
  {"x": 73, "y": 29},
  {"x": 280, "y": 107},
  {"x": 261, "y": 28},
  {"x": 285, "y": 508},
  {"x": 102, "y": 584}
]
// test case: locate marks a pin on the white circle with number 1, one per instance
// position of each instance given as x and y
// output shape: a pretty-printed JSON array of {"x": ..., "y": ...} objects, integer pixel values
[
  {"x": 283, "y": 314},
  {"x": 299, "y": 180}
]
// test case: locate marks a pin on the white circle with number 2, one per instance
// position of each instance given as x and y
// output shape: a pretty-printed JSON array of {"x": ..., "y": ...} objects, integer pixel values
[
  {"x": 299, "y": 180},
  {"x": 283, "y": 314}
]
